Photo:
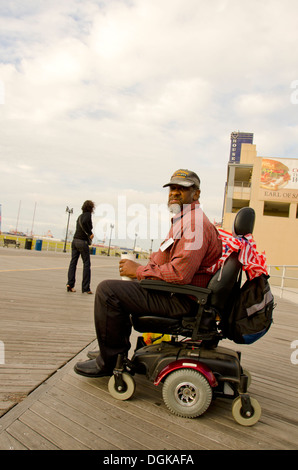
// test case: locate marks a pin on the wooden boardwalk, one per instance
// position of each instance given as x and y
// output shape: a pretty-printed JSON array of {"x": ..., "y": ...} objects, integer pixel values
[{"x": 45, "y": 405}]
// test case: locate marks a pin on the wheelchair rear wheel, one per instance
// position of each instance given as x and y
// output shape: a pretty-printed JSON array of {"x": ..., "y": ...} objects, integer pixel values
[{"x": 187, "y": 393}]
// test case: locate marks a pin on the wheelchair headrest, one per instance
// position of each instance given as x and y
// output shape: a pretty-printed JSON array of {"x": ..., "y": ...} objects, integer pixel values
[{"x": 244, "y": 221}]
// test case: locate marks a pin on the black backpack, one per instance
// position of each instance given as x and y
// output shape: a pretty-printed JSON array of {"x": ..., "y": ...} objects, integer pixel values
[{"x": 252, "y": 311}]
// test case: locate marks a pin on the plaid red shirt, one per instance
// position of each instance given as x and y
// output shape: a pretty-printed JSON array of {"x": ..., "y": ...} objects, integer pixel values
[{"x": 191, "y": 247}]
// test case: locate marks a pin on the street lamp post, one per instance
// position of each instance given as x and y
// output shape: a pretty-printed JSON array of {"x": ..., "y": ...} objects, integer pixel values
[
  {"x": 134, "y": 245},
  {"x": 69, "y": 211},
  {"x": 111, "y": 227}
]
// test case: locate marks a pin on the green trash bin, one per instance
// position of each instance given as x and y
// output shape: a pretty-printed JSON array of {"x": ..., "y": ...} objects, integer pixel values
[
  {"x": 38, "y": 245},
  {"x": 28, "y": 243}
]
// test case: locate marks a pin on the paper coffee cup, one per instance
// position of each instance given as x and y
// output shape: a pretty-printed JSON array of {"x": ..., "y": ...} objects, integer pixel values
[{"x": 130, "y": 256}]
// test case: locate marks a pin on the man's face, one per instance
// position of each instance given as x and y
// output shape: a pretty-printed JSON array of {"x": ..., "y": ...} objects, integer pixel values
[{"x": 179, "y": 195}]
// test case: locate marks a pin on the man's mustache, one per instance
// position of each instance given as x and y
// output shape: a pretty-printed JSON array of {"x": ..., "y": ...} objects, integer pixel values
[{"x": 175, "y": 199}]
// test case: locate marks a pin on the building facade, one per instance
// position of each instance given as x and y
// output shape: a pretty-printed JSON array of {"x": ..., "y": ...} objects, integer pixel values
[{"x": 270, "y": 187}]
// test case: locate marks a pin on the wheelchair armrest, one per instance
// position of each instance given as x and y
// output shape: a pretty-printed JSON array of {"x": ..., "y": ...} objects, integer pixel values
[{"x": 201, "y": 293}]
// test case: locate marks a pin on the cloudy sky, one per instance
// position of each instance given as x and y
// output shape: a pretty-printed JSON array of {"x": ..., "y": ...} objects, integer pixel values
[{"x": 105, "y": 99}]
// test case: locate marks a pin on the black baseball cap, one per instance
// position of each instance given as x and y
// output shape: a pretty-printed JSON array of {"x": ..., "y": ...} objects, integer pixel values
[{"x": 184, "y": 178}]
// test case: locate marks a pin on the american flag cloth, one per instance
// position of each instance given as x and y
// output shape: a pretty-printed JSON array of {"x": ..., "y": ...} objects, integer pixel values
[{"x": 253, "y": 262}]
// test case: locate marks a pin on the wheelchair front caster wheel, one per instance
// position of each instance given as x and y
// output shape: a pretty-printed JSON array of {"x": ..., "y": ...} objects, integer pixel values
[
  {"x": 249, "y": 418},
  {"x": 123, "y": 392},
  {"x": 187, "y": 393}
]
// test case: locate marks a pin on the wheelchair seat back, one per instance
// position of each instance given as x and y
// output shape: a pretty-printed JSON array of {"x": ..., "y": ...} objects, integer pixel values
[{"x": 224, "y": 280}]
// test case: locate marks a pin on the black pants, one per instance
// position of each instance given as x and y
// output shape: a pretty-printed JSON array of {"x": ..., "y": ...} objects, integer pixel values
[
  {"x": 80, "y": 248},
  {"x": 115, "y": 300}
]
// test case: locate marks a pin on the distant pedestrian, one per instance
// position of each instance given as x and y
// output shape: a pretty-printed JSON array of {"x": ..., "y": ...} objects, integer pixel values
[{"x": 80, "y": 247}]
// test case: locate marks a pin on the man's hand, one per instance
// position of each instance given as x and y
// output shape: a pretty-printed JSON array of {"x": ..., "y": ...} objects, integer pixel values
[{"x": 128, "y": 268}]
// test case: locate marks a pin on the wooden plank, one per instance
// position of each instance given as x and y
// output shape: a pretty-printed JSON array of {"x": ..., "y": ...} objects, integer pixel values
[
  {"x": 43, "y": 339},
  {"x": 8, "y": 442},
  {"x": 83, "y": 437},
  {"x": 96, "y": 421},
  {"x": 121, "y": 421},
  {"x": 148, "y": 412},
  {"x": 41, "y": 325},
  {"x": 62, "y": 440},
  {"x": 34, "y": 441}
]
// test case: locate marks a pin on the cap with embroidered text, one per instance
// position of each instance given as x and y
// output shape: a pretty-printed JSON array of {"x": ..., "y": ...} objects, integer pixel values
[{"x": 184, "y": 178}]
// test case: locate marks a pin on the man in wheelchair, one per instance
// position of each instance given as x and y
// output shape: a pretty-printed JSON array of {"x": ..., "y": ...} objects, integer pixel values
[{"x": 192, "y": 246}]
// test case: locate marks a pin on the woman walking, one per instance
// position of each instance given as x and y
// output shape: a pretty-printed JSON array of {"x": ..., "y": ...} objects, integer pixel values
[{"x": 80, "y": 246}]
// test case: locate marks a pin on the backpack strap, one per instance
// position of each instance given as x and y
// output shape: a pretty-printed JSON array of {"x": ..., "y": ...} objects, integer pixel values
[{"x": 89, "y": 240}]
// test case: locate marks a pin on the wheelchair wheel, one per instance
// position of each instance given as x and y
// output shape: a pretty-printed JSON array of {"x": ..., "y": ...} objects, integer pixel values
[
  {"x": 128, "y": 390},
  {"x": 239, "y": 416},
  {"x": 187, "y": 393}
]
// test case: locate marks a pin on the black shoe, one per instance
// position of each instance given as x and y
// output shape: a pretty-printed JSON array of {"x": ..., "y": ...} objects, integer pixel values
[
  {"x": 93, "y": 354},
  {"x": 91, "y": 369}
]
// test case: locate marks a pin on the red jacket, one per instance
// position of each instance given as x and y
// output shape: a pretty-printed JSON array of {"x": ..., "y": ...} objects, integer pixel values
[{"x": 191, "y": 247}]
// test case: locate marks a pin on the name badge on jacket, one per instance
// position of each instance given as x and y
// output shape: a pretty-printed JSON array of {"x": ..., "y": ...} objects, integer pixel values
[{"x": 166, "y": 244}]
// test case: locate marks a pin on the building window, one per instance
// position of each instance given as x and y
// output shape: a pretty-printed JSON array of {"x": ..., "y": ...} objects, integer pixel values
[
  {"x": 276, "y": 209},
  {"x": 243, "y": 175},
  {"x": 238, "y": 204}
]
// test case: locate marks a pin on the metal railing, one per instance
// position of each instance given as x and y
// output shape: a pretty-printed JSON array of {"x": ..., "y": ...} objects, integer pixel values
[
  {"x": 285, "y": 277},
  {"x": 242, "y": 184}
]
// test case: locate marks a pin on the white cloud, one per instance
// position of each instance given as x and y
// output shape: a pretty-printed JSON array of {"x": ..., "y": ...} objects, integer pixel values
[
  {"x": 264, "y": 104},
  {"x": 108, "y": 97}
]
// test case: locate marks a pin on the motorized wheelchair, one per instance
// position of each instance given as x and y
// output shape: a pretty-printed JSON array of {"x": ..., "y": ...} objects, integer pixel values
[{"x": 192, "y": 367}]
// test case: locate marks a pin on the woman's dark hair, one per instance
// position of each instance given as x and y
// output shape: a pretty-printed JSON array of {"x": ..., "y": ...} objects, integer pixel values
[{"x": 88, "y": 206}]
